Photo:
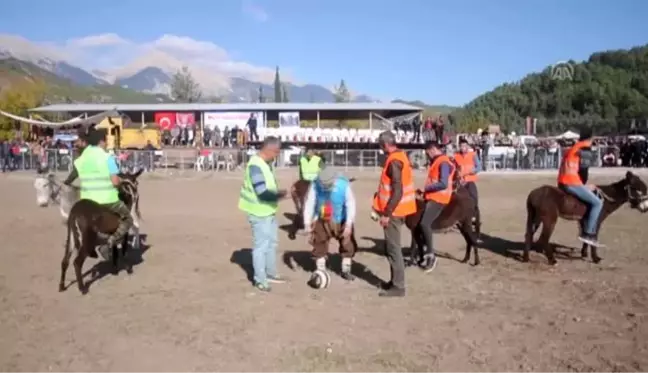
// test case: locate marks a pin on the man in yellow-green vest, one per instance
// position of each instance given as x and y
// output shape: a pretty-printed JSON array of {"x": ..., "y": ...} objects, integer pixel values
[
  {"x": 98, "y": 173},
  {"x": 259, "y": 199},
  {"x": 309, "y": 165}
]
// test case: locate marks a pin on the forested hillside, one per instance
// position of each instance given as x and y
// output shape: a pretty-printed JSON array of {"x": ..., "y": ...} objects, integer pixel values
[{"x": 608, "y": 92}]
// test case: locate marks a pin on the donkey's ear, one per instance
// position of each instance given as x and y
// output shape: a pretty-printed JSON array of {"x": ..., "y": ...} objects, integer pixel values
[
  {"x": 629, "y": 175},
  {"x": 138, "y": 173}
]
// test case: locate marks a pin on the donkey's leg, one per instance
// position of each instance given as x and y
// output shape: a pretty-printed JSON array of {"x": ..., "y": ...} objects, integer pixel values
[
  {"x": 125, "y": 248},
  {"x": 595, "y": 257},
  {"x": 545, "y": 237},
  {"x": 466, "y": 229},
  {"x": 65, "y": 263},
  {"x": 88, "y": 242},
  {"x": 115, "y": 260},
  {"x": 532, "y": 225}
]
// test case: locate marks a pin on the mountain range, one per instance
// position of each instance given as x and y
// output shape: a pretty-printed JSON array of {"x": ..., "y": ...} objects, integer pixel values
[{"x": 151, "y": 76}]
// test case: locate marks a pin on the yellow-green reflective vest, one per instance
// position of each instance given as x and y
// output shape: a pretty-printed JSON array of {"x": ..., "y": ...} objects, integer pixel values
[
  {"x": 249, "y": 201},
  {"x": 309, "y": 168},
  {"x": 94, "y": 174}
]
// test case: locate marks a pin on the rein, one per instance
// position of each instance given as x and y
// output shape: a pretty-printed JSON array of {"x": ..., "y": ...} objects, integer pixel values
[{"x": 601, "y": 193}]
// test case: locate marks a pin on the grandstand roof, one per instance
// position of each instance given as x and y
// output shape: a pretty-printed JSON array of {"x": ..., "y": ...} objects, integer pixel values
[{"x": 288, "y": 106}]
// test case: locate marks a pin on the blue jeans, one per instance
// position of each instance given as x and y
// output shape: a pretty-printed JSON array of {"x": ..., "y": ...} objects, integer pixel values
[
  {"x": 264, "y": 250},
  {"x": 584, "y": 194}
]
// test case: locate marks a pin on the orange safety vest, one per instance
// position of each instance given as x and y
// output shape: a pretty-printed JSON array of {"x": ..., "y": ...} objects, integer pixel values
[
  {"x": 568, "y": 172},
  {"x": 407, "y": 204},
  {"x": 434, "y": 175},
  {"x": 467, "y": 165}
]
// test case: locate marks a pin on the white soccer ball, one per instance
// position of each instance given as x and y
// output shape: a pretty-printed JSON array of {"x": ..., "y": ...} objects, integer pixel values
[
  {"x": 374, "y": 216},
  {"x": 319, "y": 279}
]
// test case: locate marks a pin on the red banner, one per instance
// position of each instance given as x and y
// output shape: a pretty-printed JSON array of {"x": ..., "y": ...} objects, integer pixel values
[
  {"x": 165, "y": 121},
  {"x": 185, "y": 120}
]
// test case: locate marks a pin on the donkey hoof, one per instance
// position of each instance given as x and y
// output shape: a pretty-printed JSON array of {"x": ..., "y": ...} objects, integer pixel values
[
  {"x": 61, "y": 288},
  {"x": 84, "y": 291},
  {"x": 292, "y": 236},
  {"x": 525, "y": 259},
  {"x": 596, "y": 260}
]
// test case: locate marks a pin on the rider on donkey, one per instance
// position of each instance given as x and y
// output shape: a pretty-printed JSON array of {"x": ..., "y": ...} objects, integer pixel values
[
  {"x": 98, "y": 172},
  {"x": 329, "y": 213},
  {"x": 437, "y": 194},
  {"x": 572, "y": 178},
  {"x": 469, "y": 167}
]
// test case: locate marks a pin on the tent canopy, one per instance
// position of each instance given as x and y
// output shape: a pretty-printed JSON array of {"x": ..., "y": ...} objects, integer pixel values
[{"x": 571, "y": 135}]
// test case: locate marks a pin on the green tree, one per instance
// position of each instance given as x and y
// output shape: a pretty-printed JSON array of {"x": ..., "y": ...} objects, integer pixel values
[
  {"x": 184, "y": 87},
  {"x": 277, "y": 86},
  {"x": 284, "y": 93},
  {"x": 342, "y": 93},
  {"x": 606, "y": 92},
  {"x": 17, "y": 100}
]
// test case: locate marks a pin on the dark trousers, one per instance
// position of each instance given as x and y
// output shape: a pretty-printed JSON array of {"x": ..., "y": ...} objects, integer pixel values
[
  {"x": 7, "y": 163},
  {"x": 471, "y": 187},
  {"x": 430, "y": 214},
  {"x": 254, "y": 136},
  {"x": 394, "y": 252},
  {"x": 417, "y": 134}
]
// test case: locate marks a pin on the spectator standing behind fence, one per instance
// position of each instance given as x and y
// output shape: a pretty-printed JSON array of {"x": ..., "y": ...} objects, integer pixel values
[
  {"x": 427, "y": 129},
  {"x": 252, "y": 126},
  {"x": 259, "y": 200},
  {"x": 5, "y": 150},
  {"x": 416, "y": 127},
  {"x": 438, "y": 130}
]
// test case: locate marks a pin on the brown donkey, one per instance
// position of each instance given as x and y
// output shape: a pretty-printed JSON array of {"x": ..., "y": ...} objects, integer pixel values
[
  {"x": 459, "y": 212},
  {"x": 89, "y": 222},
  {"x": 547, "y": 203}
]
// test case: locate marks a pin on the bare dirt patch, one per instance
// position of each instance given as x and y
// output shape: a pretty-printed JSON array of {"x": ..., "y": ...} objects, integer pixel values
[{"x": 189, "y": 305}]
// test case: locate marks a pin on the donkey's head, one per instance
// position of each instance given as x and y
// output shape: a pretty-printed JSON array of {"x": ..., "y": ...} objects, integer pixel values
[
  {"x": 129, "y": 190},
  {"x": 637, "y": 192},
  {"x": 47, "y": 189}
]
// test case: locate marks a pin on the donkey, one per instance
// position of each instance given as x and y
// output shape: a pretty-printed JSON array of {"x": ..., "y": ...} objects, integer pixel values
[
  {"x": 546, "y": 204},
  {"x": 89, "y": 223},
  {"x": 460, "y": 212}
]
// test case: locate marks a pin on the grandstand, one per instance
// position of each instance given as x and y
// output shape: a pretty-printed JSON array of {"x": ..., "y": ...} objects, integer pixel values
[{"x": 288, "y": 116}]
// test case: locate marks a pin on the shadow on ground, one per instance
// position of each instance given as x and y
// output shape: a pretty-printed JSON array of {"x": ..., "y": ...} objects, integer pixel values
[
  {"x": 513, "y": 249},
  {"x": 304, "y": 260},
  {"x": 134, "y": 257}
]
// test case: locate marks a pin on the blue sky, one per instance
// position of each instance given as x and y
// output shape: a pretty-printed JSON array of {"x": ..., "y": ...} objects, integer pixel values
[{"x": 440, "y": 52}]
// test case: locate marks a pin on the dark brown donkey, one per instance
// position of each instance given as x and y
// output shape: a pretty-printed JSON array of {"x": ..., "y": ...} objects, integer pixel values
[
  {"x": 298, "y": 193},
  {"x": 88, "y": 223},
  {"x": 459, "y": 212},
  {"x": 548, "y": 203}
]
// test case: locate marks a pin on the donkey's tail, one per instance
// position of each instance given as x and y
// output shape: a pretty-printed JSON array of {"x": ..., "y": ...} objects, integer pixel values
[{"x": 532, "y": 223}]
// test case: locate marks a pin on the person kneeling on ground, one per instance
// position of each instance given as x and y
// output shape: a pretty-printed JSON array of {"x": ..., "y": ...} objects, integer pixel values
[
  {"x": 329, "y": 213},
  {"x": 437, "y": 194}
]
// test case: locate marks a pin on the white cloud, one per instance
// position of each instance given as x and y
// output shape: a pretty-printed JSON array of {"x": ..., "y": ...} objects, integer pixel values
[
  {"x": 255, "y": 11},
  {"x": 210, "y": 64},
  {"x": 101, "y": 40}
]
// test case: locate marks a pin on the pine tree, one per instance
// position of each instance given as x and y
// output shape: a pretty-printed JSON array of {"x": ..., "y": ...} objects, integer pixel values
[
  {"x": 277, "y": 86},
  {"x": 342, "y": 93}
]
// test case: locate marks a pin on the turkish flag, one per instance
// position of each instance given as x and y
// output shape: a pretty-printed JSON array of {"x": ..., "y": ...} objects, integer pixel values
[{"x": 165, "y": 121}]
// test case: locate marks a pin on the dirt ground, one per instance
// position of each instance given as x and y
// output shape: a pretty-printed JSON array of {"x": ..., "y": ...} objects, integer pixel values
[{"x": 189, "y": 306}]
